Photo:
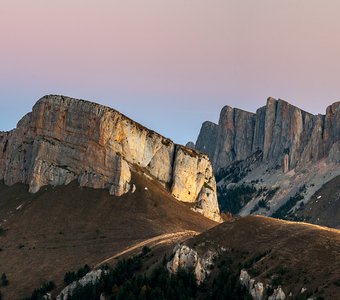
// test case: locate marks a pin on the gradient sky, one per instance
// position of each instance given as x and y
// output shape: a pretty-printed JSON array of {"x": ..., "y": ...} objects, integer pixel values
[{"x": 169, "y": 64}]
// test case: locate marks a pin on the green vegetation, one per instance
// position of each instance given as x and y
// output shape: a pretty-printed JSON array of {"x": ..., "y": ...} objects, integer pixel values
[
  {"x": 38, "y": 294},
  {"x": 123, "y": 282},
  {"x": 83, "y": 271},
  {"x": 233, "y": 199},
  {"x": 4, "y": 280},
  {"x": 73, "y": 276},
  {"x": 239, "y": 169},
  {"x": 261, "y": 204},
  {"x": 127, "y": 282},
  {"x": 271, "y": 193},
  {"x": 232, "y": 173},
  {"x": 283, "y": 211},
  {"x": 227, "y": 286},
  {"x": 2, "y": 231},
  {"x": 145, "y": 250},
  {"x": 70, "y": 277}
]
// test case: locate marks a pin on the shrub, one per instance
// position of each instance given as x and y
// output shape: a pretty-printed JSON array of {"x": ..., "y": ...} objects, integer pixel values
[
  {"x": 70, "y": 277},
  {"x": 2, "y": 231},
  {"x": 145, "y": 250},
  {"x": 4, "y": 280},
  {"x": 233, "y": 199},
  {"x": 282, "y": 212},
  {"x": 40, "y": 293},
  {"x": 83, "y": 271}
]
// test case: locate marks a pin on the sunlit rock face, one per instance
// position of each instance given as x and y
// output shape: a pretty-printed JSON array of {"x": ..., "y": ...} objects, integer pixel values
[
  {"x": 287, "y": 135},
  {"x": 188, "y": 259},
  {"x": 65, "y": 139}
]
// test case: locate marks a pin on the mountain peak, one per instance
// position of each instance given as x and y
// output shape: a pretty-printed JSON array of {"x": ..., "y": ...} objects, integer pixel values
[{"x": 66, "y": 139}]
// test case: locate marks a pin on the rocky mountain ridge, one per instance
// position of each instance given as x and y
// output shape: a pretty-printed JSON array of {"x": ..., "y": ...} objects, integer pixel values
[
  {"x": 279, "y": 155},
  {"x": 65, "y": 139},
  {"x": 287, "y": 135}
]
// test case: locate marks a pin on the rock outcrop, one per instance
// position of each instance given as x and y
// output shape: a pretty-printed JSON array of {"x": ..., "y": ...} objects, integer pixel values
[
  {"x": 258, "y": 290},
  {"x": 188, "y": 259},
  {"x": 287, "y": 135},
  {"x": 65, "y": 139},
  {"x": 90, "y": 278}
]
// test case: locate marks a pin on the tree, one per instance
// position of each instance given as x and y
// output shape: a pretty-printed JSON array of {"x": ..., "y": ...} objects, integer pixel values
[
  {"x": 4, "y": 280},
  {"x": 70, "y": 277}
]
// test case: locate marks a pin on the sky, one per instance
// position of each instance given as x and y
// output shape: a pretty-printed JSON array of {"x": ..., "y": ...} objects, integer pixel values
[{"x": 169, "y": 64}]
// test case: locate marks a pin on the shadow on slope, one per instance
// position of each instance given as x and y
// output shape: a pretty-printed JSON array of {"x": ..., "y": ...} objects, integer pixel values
[{"x": 62, "y": 228}]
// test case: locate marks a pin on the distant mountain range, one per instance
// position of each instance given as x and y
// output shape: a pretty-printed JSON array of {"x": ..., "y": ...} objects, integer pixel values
[{"x": 273, "y": 161}]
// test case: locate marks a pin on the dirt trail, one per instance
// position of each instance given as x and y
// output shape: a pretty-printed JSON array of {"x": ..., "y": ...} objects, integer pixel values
[{"x": 157, "y": 240}]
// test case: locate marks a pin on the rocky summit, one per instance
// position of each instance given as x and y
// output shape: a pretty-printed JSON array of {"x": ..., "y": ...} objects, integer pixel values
[
  {"x": 274, "y": 161},
  {"x": 65, "y": 139},
  {"x": 287, "y": 135}
]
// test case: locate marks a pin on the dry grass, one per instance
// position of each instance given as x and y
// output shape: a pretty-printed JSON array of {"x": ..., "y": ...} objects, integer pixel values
[
  {"x": 307, "y": 255},
  {"x": 61, "y": 229}
]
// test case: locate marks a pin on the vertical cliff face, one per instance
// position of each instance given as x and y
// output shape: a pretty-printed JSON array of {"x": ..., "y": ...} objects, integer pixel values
[
  {"x": 235, "y": 136},
  {"x": 64, "y": 139},
  {"x": 208, "y": 138},
  {"x": 285, "y": 134}
]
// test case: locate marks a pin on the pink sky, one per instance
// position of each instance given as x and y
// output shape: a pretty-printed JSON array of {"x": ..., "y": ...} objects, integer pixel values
[{"x": 169, "y": 64}]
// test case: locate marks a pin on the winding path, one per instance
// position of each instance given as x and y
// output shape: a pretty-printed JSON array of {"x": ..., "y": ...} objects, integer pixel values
[{"x": 157, "y": 240}]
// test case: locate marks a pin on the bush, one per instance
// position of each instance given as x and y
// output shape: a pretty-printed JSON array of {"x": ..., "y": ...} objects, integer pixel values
[
  {"x": 40, "y": 293},
  {"x": 4, "y": 280},
  {"x": 145, "y": 250},
  {"x": 233, "y": 199},
  {"x": 70, "y": 277},
  {"x": 283, "y": 211},
  {"x": 83, "y": 271},
  {"x": 2, "y": 231}
]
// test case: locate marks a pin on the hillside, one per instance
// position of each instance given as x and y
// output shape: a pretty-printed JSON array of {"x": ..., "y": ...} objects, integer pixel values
[
  {"x": 292, "y": 255},
  {"x": 323, "y": 207},
  {"x": 251, "y": 257},
  {"x": 61, "y": 229}
]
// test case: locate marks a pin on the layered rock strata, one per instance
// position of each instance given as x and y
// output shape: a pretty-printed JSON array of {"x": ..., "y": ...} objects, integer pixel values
[
  {"x": 65, "y": 139},
  {"x": 287, "y": 135}
]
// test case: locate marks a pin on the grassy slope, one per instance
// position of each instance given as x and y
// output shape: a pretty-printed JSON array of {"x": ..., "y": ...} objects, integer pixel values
[
  {"x": 61, "y": 229},
  {"x": 305, "y": 255}
]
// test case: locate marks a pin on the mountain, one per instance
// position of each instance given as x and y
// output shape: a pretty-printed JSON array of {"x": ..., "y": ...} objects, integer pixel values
[
  {"x": 274, "y": 159},
  {"x": 65, "y": 139},
  {"x": 80, "y": 182}
]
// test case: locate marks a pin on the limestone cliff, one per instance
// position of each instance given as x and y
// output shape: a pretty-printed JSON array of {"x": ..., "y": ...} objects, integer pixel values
[
  {"x": 280, "y": 148},
  {"x": 65, "y": 139},
  {"x": 287, "y": 135}
]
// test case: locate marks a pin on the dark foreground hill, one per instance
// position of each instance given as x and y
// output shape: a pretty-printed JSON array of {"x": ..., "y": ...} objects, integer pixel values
[
  {"x": 251, "y": 257},
  {"x": 296, "y": 256},
  {"x": 56, "y": 230}
]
